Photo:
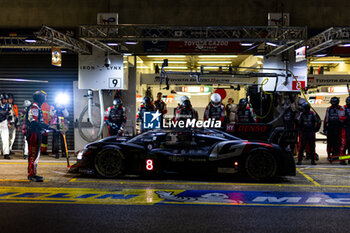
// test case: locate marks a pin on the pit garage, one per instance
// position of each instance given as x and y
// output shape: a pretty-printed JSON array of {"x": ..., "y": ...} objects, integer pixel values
[{"x": 181, "y": 180}]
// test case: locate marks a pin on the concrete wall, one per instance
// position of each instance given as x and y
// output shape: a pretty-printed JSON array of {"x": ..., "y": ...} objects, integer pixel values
[{"x": 316, "y": 14}]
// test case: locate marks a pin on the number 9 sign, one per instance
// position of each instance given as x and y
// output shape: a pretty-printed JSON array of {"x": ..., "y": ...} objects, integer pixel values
[{"x": 114, "y": 83}]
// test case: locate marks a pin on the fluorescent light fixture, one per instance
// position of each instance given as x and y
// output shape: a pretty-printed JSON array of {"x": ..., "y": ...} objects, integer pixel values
[
  {"x": 172, "y": 62},
  {"x": 259, "y": 56},
  {"x": 321, "y": 55},
  {"x": 127, "y": 54},
  {"x": 176, "y": 67},
  {"x": 189, "y": 94},
  {"x": 30, "y": 41},
  {"x": 112, "y": 44},
  {"x": 131, "y": 42},
  {"x": 216, "y": 56},
  {"x": 272, "y": 44},
  {"x": 63, "y": 51},
  {"x": 143, "y": 67},
  {"x": 214, "y": 62},
  {"x": 246, "y": 44},
  {"x": 327, "y": 62},
  {"x": 125, "y": 61},
  {"x": 346, "y": 45},
  {"x": 139, "y": 61},
  {"x": 166, "y": 56},
  {"x": 212, "y": 67}
]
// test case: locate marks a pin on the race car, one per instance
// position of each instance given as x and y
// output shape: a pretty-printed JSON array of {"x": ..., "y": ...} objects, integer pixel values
[{"x": 184, "y": 151}]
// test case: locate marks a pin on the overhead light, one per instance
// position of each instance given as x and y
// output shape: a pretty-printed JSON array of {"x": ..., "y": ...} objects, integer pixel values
[
  {"x": 131, "y": 42},
  {"x": 172, "y": 62},
  {"x": 139, "y": 61},
  {"x": 112, "y": 44},
  {"x": 212, "y": 67},
  {"x": 246, "y": 44},
  {"x": 143, "y": 67},
  {"x": 176, "y": 67},
  {"x": 327, "y": 62},
  {"x": 321, "y": 55},
  {"x": 216, "y": 56},
  {"x": 259, "y": 56},
  {"x": 127, "y": 54},
  {"x": 166, "y": 56},
  {"x": 63, "y": 51},
  {"x": 346, "y": 45},
  {"x": 214, "y": 62},
  {"x": 272, "y": 44},
  {"x": 30, "y": 41}
]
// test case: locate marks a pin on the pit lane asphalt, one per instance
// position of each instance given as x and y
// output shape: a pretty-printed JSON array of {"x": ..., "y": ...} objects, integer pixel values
[{"x": 18, "y": 215}]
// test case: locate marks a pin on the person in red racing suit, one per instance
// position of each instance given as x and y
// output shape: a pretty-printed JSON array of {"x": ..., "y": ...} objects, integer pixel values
[
  {"x": 186, "y": 112},
  {"x": 215, "y": 109},
  {"x": 307, "y": 124},
  {"x": 347, "y": 126},
  {"x": 147, "y": 106},
  {"x": 115, "y": 117},
  {"x": 333, "y": 128},
  {"x": 245, "y": 114},
  {"x": 35, "y": 128}
]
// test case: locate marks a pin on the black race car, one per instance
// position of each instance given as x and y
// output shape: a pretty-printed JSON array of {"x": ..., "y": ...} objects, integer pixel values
[{"x": 184, "y": 150}]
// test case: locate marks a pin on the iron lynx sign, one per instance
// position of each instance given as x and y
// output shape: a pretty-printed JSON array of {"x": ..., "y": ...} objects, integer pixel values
[{"x": 94, "y": 74}]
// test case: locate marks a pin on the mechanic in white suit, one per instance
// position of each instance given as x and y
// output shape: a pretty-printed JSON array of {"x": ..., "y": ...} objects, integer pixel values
[{"x": 4, "y": 127}]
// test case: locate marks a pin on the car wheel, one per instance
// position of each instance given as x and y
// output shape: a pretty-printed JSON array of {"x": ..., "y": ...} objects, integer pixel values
[
  {"x": 261, "y": 165},
  {"x": 109, "y": 163}
]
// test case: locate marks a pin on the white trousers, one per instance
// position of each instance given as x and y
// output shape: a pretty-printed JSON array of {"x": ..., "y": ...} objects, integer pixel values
[
  {"x": 4, "y": 133},
  {"x": 12, "y": 132},
  {"x": 25, "y": 146}
]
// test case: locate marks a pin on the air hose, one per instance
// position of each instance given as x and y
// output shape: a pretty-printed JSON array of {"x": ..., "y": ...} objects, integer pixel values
[{"x": 268, "y": 93}]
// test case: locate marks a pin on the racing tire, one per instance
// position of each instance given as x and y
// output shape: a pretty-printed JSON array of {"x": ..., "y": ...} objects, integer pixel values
[
  {"x": 109, "y": 163},
  {"x": 261, "y": 165}
]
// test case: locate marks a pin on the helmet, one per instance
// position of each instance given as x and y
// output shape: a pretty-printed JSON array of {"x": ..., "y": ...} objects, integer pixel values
[
  {"x": 186, "y": 104},
  {"x": 300, "y": 103},
  {"x": 39, "y": 97},
  {"x": 215, "y": 99},
  {"x": 347, "y": 100},
  {"x": 146, "y": 100},
  {"x": 27, "y": 103},
  {"x": 305, "y": 107},
  {"x": 4, "y": 96},
  {"x": 242, "y": 103},
  {"x": 117, "y": 102},
  {"x": 183, "y": 98},
  {"x": 334, "y": 100}
]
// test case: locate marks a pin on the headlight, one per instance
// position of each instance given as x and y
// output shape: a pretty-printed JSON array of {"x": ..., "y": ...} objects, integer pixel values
[{"x": 80, "y": 154}]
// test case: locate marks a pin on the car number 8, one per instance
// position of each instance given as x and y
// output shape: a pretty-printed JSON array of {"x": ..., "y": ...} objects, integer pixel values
[{"x": 149, "y": 164}]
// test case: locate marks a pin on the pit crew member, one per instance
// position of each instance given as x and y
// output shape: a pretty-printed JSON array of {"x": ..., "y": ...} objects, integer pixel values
[
  {"x": 245, "y": 114},
  {"x": 115, "y": 117},
  {"x": 307, "y": 124},
  {"x": 333, "y": 120},
  {"x": 58, "y": 113},
  {"x": 35, "y": 128},
  {"x": 215, "y": 109},
  {"x": 13, "y": 120},
  {"x": 4, "y": 130}
]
